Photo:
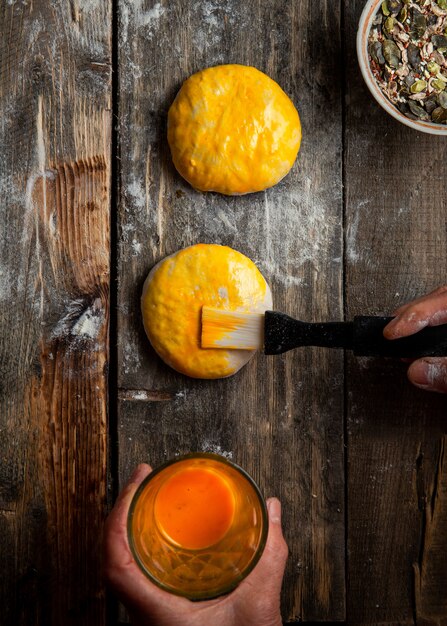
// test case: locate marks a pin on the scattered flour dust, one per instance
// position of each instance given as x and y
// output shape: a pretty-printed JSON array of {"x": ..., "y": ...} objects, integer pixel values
[
  {"x": 88, "y": 325},
  {"x": 151, "y": 17},
  {"x": 211, "y": 19},
  {"x": 290, "y": 225},
  {"x": 135, "y": 190},
  {"x": 352, "y": 251},
  {"x": 89, "y": 6},
  {"x": 136, "y": 247},
  {"x": 131, "y": 359},
  {"x": 208, "y": 446},
  {"x": 134, "y": 12},
  {"x": 80, "y": 323}
]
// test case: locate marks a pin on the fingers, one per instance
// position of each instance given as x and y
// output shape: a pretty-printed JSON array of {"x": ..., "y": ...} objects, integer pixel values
[
  {"x": 270, "y": 569},
  {"x": 116, "y": 524},
  {"x": 277, "y": 549},
  {"x": 429, "y": 374},
  {"x": 120, "y": 568},
  {"x": 431, "y": 310},
  {"x": 428, "y": 296},
  {"x": 122, "y": 504}
]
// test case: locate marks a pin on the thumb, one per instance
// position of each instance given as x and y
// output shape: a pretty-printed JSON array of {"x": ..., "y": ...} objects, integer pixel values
[
  {"x": 429, "y": 374},
  {"x": 270, "y": 569},
  {"x": 120, "y": 569},
  {"x": 118, "y": 563}
]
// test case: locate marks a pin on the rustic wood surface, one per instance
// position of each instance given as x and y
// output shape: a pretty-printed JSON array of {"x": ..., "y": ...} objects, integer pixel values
[
  {"x": 55, "y": 83},
  {"x": 273, "y": 417},
  {"x": 396, "y": 250},
  {"x": 356, "y": 455}
]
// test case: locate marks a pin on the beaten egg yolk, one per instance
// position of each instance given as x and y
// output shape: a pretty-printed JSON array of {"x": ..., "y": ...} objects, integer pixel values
[
  {"x": 233, "y": 130},
  {"x": 195, "y": 508}
]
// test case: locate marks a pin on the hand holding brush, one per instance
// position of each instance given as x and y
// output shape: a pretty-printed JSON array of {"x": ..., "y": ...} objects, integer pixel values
[
  {"x": 418, "y": 329},
  {"x": 429, "y": 373}
]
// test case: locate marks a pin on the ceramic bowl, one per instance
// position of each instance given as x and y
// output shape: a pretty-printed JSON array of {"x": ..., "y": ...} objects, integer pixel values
[
  {"x": 366, "y": 19},
  {"x": 192, "y": 552}
]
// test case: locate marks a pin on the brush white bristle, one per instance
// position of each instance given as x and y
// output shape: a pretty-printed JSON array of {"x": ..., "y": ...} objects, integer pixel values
[{"x": 232, "y": 330}]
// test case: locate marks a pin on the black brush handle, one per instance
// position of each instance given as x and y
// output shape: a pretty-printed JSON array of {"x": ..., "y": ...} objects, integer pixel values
[
  {"x": 369, "y": 340},
  {"x": 283, "y": 333},
  {"x": 364, "y": 336}
]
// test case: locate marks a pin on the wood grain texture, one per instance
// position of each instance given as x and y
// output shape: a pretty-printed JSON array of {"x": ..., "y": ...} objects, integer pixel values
[
  {"x": 396, "y": 249},
  {"x": 431, "y": 568},
  {"x": 280, "y": 418},
  {"x": 54, "y": 277}
]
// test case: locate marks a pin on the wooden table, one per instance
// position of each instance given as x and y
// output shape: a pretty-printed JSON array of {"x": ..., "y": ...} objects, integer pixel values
[{"x": 90, "y": 201}]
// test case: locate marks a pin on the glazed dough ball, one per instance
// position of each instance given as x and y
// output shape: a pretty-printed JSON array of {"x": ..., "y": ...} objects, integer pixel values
[
  {"x": 174, "y": 293},
  {"x": 232, "y": 129}
]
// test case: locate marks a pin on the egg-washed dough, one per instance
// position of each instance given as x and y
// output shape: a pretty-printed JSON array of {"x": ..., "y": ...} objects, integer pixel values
[
  {"x": 176, "y": 290},
  {"x": 232, "y": 129}
]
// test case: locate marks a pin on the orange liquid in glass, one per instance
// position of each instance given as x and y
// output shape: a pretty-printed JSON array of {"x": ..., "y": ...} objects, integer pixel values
[{"x": 195, "y": 508}]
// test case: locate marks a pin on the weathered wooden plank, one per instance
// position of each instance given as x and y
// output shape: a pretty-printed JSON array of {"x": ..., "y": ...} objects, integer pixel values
[
  {"x": 54, "y": 275},
  {"x": 396, "y": 250},
  {"x": 281, "y": 418},
  {"x": 431, "y": 568}
]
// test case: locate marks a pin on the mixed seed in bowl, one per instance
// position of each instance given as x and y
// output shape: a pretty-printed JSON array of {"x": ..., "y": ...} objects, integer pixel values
[{"x": 407, "y": 48}]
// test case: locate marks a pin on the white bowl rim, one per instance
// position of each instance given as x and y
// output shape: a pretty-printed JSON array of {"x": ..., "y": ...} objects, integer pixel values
[{"x": 365, "y": 24}]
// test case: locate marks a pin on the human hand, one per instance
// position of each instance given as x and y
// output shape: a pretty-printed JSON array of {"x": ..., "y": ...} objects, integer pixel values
[
  {"x": 428, "y": 373},
  {"x": 255, "y": 602}
]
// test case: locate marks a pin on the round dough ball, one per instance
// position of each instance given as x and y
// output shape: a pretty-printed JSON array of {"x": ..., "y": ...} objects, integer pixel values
[
  {"x": 232, "y": 129},
  {"x": 179, "y": 286}
]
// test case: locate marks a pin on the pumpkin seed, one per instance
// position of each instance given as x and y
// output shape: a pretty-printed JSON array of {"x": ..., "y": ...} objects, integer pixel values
[
  {"x": 403, "y": 14},
  {"x": 430, "y": 106},
  {"x": 433, "y": 67},
  {"x": 418, "y": 86},
  {"x": 439, "y": 115},
  {"x": 391, "y": 53},
  {"x": 442, "y": 4},
  {"x": 417, "y": 110},
  {"x": 375, "y": 51},
  {"x": 394, "y": 6},
  {"x": 438, "y": 84},
  {"x": 414, "y": 55},
  {"x": 439, "y": 41},
  {"x": 432, "y": 20},
  {"x": 389, "y": 25},
  {"x": 442, "y": 99},
  {"x": 385, "y": 9},
  {"x": 418, "y": 24},
  {"x": 437, "y": 56}
]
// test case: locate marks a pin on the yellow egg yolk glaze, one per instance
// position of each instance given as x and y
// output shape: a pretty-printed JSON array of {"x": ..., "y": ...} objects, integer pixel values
[
  {"x": 232, "y": 129},
  {"x": 177, "y": 289}
]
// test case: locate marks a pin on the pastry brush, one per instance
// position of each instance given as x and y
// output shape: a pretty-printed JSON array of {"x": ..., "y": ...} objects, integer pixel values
[{"x": 276, "y": 333}]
